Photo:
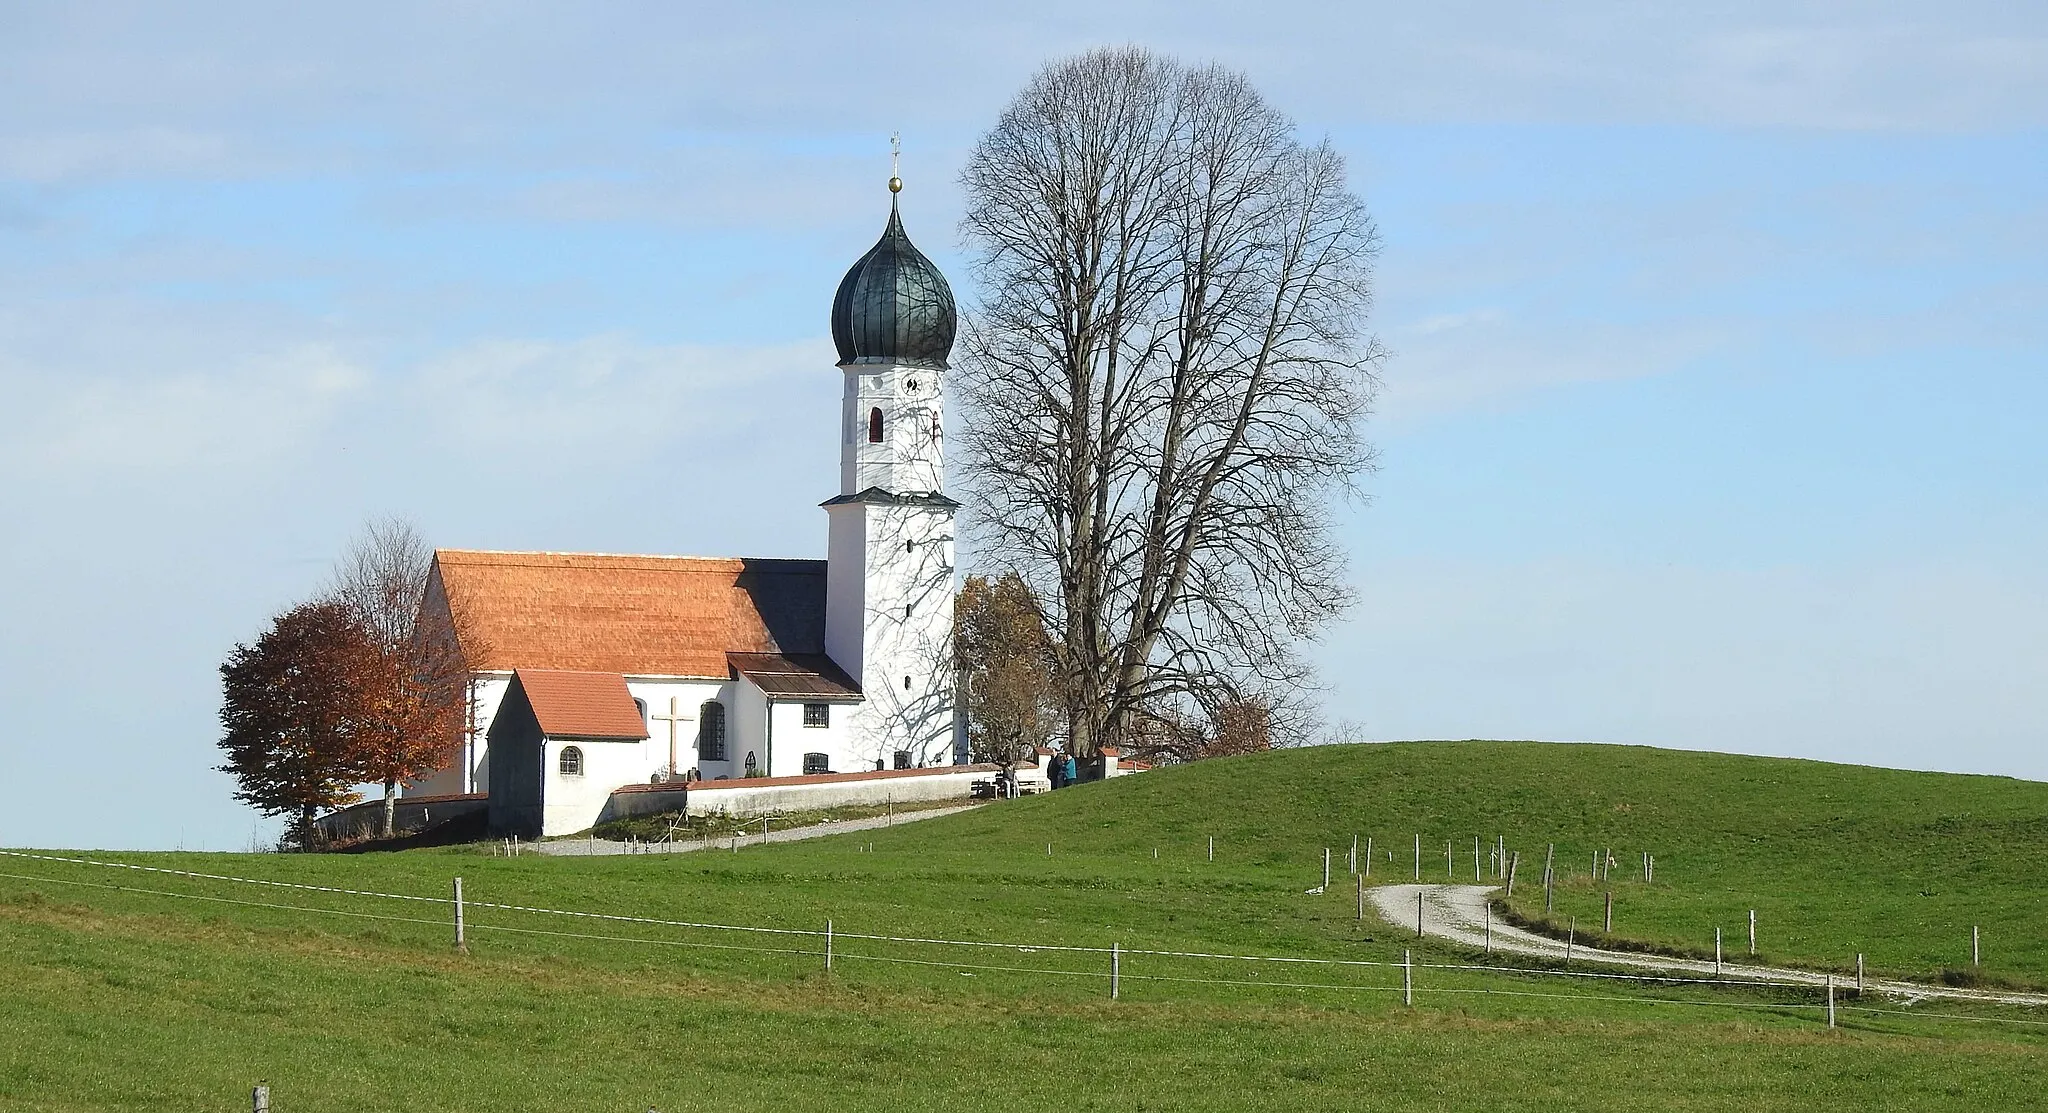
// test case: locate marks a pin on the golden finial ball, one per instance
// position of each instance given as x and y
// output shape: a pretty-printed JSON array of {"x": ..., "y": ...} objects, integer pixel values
[{"x": 895, "y": 185}]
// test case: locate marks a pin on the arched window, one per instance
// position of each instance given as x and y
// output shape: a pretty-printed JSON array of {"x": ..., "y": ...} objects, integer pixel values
[
  {"x": 571, "y": 763},
  {"x": 711, "y": 731},
  {"x": 875, "y": 425},
  {"x": 906, "y": 684},
  {"x": 641, "y": 706}
]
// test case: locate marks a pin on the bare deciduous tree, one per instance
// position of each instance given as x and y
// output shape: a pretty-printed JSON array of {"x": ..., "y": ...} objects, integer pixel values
[
  {"x": 1164, "y": 383},
  {"x": 412, "y": 704}
]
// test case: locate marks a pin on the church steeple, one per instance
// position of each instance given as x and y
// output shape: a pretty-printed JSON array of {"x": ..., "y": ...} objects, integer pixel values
[{"x": 889, "y": 577}]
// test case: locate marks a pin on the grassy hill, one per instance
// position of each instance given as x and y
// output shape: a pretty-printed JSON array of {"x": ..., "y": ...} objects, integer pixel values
[{"x": 117, "y": 998}]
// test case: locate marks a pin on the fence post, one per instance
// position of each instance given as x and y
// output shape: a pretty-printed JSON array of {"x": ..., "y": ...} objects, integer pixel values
[
  {"x": 1571, "y": 940},
  {"x": 1418, "y": 913},
  {"x": 1717, "y": 952},
  {"x": 1408, "y": 978},
  {"x": 1976, "y": 950},
  {"x": 1368, "y": 856},
  {"x": 1115, "y": 969},
  {"x": 1514, "y": 860},
  {"x": 828, "y": 946},
  {"x": 1354, "y": 854},
  {"x": 1475, "y": 859},
  {"x": 1418, "y": 857},
  {"x": 1859, "y": 973},
  {"x": 1489, "y": 925},
  {"x": 1212, "y": 848},
  {"x": 1326, "y": 867},
  {"x": 1831, "y": 1000},
  {"x": 461, "y": 945},
  {"x": 1361, "y": 896},
  {"x": 259, "y": 1098},
  {"x": 1608, "y": 927},
  {"x": 1549, "y": 876},
  {"x": 1752, "y": 933}
]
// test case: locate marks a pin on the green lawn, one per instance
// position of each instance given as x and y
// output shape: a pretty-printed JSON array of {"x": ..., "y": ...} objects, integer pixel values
[{"x": 131, "y": 1000}]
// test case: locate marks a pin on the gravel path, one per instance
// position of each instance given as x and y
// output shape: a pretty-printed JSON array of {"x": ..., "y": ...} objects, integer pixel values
[
  {"x": 1460, "y": 914},
  {"x": 686, "y": 843}
]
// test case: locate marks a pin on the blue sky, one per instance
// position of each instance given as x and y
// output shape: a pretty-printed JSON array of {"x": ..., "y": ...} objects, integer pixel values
[{"x": 1714, "y": 418}]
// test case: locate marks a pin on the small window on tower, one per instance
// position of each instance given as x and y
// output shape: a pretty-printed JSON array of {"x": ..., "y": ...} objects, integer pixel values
[
  {"x": 907, "y": 608},
  {"x": 571, "y": 763},
  {"x": 817, "y": 714},
  {"x": 906, "y": 684},
  {"x": 875, "y": 425},
  {"x": 903, "y": 759}
]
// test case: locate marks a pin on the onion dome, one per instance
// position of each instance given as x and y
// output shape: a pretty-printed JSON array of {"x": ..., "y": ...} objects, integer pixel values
[{"x": 894, "y": 306}]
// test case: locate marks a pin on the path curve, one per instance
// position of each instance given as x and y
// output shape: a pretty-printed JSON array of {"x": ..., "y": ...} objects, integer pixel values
[{"x": 1460, "y": 913}]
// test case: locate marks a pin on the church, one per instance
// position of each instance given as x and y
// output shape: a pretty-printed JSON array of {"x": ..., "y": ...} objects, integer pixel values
[{"x": 596, "y": 672}]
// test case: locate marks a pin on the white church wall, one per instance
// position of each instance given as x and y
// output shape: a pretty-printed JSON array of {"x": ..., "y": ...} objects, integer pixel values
[
  {"x": 683, "y": 697},
  {"x": 907, "y": 632},
  {"x": 572, "y": 802},
  {"x": 793, "y": 738},
  {"x": 750, "y": 727}
]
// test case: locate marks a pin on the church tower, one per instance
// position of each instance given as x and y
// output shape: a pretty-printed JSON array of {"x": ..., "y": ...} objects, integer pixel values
[{"x": 889, "y": 577}]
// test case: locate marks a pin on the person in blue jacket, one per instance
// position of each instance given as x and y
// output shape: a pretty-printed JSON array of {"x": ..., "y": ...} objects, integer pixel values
[{"x": 1067, "y": 772}]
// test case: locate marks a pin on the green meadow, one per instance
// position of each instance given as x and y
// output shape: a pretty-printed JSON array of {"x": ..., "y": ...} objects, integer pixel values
[{"x": 126, "y": 989}]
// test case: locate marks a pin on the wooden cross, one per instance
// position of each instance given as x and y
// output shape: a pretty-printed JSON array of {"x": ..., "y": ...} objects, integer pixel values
[{"x": 674, "y": 718}]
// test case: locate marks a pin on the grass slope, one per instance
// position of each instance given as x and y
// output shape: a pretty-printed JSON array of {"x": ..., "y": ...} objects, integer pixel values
[{"x": 123, "y": 1000}]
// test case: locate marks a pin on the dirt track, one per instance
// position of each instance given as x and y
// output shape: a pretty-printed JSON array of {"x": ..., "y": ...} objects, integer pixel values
[{"x": 1459, "y": 913}]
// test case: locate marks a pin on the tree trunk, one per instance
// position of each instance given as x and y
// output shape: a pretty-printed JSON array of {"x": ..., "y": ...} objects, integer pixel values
[{"x": 390, "y": 805}]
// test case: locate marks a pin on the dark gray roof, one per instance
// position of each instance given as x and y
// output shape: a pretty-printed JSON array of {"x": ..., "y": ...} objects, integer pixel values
[
  {"x": 810, "y": 676},
  {"x": 894, "y": 306},
  {"x": 891, "y": 498}
]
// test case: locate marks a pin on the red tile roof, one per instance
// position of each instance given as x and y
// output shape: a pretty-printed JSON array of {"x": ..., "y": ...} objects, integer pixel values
[
  {"x": 634, "y": 615},
  {"x": 580, "y": 704}
]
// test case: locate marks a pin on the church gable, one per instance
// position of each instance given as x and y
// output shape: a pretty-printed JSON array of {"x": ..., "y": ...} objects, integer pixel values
[{"x": 629, "y": 615}]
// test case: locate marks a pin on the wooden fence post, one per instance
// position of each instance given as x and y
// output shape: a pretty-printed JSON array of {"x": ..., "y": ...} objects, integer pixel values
[
  {"x": 1368, "y": 856},
  {"x": 1717, "y": 952},
  {"x": 1326, "y": 867},
  {"x": 1571, "y": 940},
  {"x": 1475, "y": 859},
  {"x": 1212, "y": 848},
  {"x": 1408, "y": 978},
  {"x": 1514, "y": 860},
  {"x": 1752, "y": 933},
  {"x": 1831, "y": 1000},
  {"x": 1115, "y": 969},
  {"x": 1418, "y": 913},
  {"x": 1361, "y": 896},
  {"x": 1608, "y": 928},
  {"x": 1976, "y": 948},
  {"x": 1418, "y": 857},
  {"x": 828, "y": 946},
  {"x": 1489, "y": 925},
  {"x": 1859, "y": 973},
  {"x": 461, "y": 945}
]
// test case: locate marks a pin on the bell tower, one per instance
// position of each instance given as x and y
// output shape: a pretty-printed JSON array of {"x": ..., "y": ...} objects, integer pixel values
[{"x": 889, "y": 577}]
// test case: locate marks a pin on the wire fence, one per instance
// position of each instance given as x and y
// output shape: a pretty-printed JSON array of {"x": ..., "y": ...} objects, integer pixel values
[{"x": 971, "y": 956}]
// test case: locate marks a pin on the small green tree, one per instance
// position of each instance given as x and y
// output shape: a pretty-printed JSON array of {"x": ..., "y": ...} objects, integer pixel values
[{"x": 288, "y": 714}]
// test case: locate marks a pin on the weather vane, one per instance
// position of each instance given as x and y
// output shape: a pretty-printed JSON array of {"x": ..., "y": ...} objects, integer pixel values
[{"x": 895, "y": 162}]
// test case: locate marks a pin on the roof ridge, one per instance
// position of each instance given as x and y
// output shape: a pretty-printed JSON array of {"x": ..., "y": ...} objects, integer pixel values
[{"x": 438, "y": 553}]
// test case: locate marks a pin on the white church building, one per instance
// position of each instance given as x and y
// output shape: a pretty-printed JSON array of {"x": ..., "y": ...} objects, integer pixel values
[{"x": 596, "y": 672}]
